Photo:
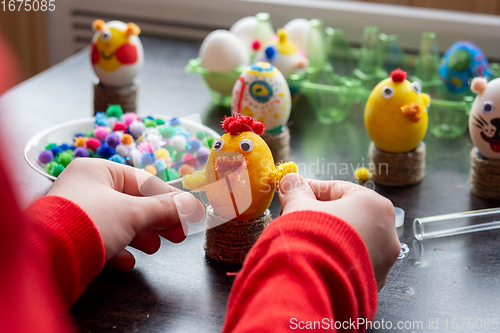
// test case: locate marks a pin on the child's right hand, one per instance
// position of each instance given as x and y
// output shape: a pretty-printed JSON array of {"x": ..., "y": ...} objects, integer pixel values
[
  {"x": 369, "y": 213},
  {"x": 119, "y": 200}
]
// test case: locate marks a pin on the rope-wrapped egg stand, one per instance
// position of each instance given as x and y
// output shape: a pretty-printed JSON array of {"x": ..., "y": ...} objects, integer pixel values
[
  {"x": 279, "y": 143},
  {"x": 397, "y": 169},
  {"x": 229, "y": 241},
  {"x": 484, "y": 176},
  {"x": 105, "y": 95}
]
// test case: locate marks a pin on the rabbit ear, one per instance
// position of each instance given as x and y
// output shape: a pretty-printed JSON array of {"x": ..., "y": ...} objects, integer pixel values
[
  {"x": 478, "y": 85},
  {"x": 98, "y": 25},
  {"x": 132, "y": 29}
]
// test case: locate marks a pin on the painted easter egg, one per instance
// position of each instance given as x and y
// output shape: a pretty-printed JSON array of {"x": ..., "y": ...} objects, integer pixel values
[
  {"x": 283, "y": 54},
  {"x": 484, "y": 118},
  {"x": 116, "y": 52},
  {"x": 462, "y": 62},
  {"x": 261, "y": 92}
]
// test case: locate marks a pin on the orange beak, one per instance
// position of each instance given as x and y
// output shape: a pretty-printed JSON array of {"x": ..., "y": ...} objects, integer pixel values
[{"x": 413, "y": 112}]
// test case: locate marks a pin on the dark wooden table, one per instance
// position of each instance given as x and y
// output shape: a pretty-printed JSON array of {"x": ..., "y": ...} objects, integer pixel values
[{"x": 178, "y": 290}]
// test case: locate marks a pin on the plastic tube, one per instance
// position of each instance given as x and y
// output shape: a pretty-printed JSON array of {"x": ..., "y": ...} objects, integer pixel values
[{"x": 456, "y": 224}]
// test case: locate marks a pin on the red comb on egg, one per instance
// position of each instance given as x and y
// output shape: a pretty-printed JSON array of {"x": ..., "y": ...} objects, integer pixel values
[
  {"x": 398, "y": 75},
  {"x": 236, "y": 124}
]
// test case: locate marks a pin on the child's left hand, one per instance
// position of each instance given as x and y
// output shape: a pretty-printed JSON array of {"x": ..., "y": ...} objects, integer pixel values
[{"x": 119, "y": 201}]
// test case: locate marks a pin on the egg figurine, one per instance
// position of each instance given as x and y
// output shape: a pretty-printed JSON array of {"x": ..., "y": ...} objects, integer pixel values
[
  {"x": 462, "y": 62},
  {"x": 484, "y": 118},
  {"x": 261, "y": 92},
  {"x": 396, "y": 114},
  {"x": 240, "y": 176},
  {"x": 283, "y": 54},
  {"x": 116, "y": 52}
]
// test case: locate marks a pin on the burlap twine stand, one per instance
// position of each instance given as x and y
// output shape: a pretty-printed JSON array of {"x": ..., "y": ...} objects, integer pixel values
[
  {"x": 230, "y": 242},
  {"x": 279, "y": 143},
  {"x": 125, "y": 96},
  {"x": 484, "y": 176},
  {"x": 397, "y": 169}
]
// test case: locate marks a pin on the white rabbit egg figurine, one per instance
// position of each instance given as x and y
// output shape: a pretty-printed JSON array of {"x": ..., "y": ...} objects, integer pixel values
[{"x": 484, "y": 119}]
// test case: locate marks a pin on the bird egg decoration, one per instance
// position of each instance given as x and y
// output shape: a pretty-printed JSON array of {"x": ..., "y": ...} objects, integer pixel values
[
  {"x": 484, "y": 118},
  {"x": 116, "y": 52},
  {"x": 222, "y": 51},
  {"x": 283, "y": 54},
  {"x": 261, "y": 92}
]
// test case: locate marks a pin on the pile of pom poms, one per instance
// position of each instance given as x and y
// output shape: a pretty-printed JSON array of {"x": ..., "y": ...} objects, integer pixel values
[{"x": 167, "y": 150}]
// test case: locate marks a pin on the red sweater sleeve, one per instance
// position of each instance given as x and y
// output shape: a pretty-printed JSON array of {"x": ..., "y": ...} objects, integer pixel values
[
  {"x": 307, "y": 270},
  {"x": 64, "y": 237}
]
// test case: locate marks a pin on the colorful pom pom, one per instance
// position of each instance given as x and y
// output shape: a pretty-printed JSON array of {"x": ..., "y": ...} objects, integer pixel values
[
  {"x": 117, "y": 158},
  {"x": 113, "y": 140},
  {"x": 398, "y": 75},
  {"x": 127, "y": 139},
  {"x": 189, "y": 159},
  {"x": 167, "y": 132},
  {"x": 151, "y": 169},
  {"x": 236, "y": 124},
  {"x": 114, "y": 111},
  {"x": 81, "y": 152},
  {"x": 119, "y": 126},
  {"x": 101, "y": 132},
  {"x": 186, "y": 169},
  {"x": 46, "y": 156},
  {"x": 93, "y": 144}
]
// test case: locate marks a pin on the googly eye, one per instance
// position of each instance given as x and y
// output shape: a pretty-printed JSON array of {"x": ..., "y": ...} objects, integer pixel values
[
  {"x": 417, "y": 87},
  {"x": 218, "y": 144},
  {"x": 246, "y": 145},
  {"x": 106, "y": 35},
  {"x": 488, "y": 107},
  {"x": 387, "y": 92}
]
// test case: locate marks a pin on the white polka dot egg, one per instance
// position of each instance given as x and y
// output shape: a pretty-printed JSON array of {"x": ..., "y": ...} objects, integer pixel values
[{"x": 261, "y": 92}]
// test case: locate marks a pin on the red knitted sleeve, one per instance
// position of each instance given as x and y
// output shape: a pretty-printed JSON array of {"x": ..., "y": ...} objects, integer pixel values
[
  {"x": 307, "y": 270},
  {"x": 64, "y": 237}
]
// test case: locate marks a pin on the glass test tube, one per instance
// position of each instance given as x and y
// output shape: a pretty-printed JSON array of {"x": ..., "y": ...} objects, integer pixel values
[{"x": 456, "y": 224}]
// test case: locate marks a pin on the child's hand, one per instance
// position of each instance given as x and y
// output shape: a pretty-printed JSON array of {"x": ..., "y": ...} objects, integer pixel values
[
  {"x": 369, "y": 213},
  {"x": 118, "y": 200}
]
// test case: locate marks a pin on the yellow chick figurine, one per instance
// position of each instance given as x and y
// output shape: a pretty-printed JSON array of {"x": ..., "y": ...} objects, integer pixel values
[
  {"x": 396, "y": 114},
  {"x": 116, "y": 52},
  {"x": 240, "y": 177}
]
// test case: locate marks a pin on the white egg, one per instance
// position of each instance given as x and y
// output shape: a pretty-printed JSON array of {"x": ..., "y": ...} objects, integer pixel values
[
  {"x": 298, "y": 32},
  {"x": 222, "y": 51},
  {"x": 244, "y": 29},
  {"x": 261, "y": 92}
]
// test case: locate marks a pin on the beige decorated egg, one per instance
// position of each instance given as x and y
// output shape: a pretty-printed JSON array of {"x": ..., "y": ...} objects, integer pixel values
[
  {"x": 262, "y": 92},
  {"x": 484, "y": 119},
  {"x": 116, "y": 52}
]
